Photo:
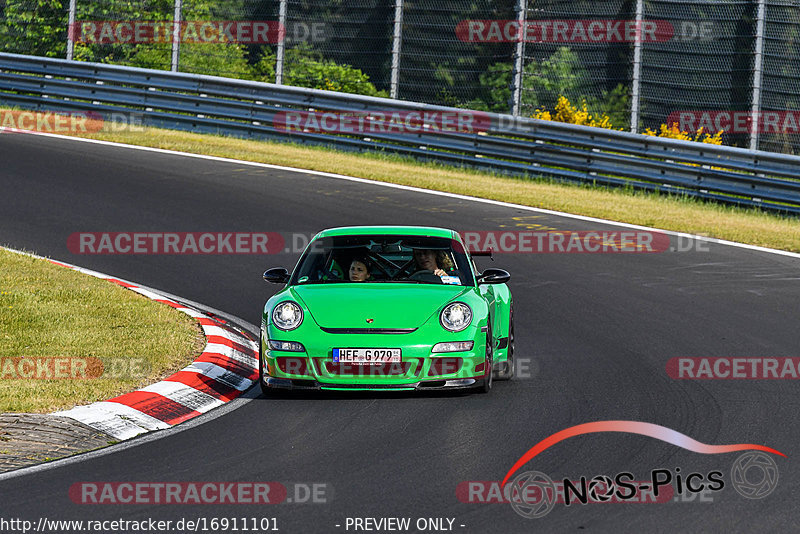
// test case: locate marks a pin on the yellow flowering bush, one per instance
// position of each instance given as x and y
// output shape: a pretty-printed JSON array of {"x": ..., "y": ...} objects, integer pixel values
[
  {"x": 673, "y": 132},
  {"x": 566, "y": 112}
]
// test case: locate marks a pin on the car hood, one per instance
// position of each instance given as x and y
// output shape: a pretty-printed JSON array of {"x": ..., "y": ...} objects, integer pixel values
[{"x": 388, "y": 305}]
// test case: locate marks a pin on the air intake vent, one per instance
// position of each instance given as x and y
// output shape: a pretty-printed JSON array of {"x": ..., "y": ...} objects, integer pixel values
[{"x": 368, "y": 330}]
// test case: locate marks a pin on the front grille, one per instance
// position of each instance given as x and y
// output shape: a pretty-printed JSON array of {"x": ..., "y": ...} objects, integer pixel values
[{"x": 367, "y": 330}]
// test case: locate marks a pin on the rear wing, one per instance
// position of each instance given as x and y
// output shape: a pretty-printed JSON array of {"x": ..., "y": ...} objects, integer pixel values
[{"x": 475, "y": 253}]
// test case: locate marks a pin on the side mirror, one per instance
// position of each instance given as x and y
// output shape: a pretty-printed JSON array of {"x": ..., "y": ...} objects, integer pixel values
[
  {"x": 276, "y": 275},
  {"x": 494, "y": 276}
]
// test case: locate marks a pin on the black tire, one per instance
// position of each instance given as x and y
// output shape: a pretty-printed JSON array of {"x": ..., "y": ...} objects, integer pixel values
[
  {"x": 508, "y": 368},
  {"x": 487, "y": 382}
]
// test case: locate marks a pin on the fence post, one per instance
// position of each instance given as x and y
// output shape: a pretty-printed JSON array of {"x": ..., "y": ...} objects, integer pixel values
[
  {"x": 281, "y": 42},
  {"x": 758, "y": 66},
  {"x": 71, "y": 30},
  {"x": 637, "y": 68},
  {"x": 519, "y": 58},
  {"x": 397, "y": 42},
  {"x": 176, "y": 36}
]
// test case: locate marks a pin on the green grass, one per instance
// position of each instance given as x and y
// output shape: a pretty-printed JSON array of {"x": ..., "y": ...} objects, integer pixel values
[{"x": 49, "y": 312}]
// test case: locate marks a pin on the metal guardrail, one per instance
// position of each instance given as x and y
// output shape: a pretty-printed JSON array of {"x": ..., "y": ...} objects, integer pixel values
[{"x": 507, "y": 144}]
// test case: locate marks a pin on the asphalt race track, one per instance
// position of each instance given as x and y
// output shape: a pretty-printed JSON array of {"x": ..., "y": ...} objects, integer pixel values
[{"x": 596, "y": 331}]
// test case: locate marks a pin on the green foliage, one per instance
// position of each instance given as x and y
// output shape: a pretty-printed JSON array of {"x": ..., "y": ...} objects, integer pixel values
[
  {"x": 304, "y": 67},
  {"x": 496, "y": 82},
  {"x": 38, "y": 30},
  {"x": 264, "y": 67},
  {"x": 616, "y": 104},
  {"x": 42, "y": 30},
  {"x": 542, "y": 83},
  {"x": 154, "y": 10},
  {"x": 562, "y": 74},
  {"x": 218, "y": 59}
]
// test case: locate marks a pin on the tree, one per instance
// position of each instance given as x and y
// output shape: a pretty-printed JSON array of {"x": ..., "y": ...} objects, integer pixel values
[
  {"x": 35, "y": 27},
  {"x": 306, "y": 68},
  {"x": 561, "y": 74}
]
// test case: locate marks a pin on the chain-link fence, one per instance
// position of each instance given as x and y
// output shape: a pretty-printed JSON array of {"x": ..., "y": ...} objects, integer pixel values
[
  {"x": 781, "y": 75},
  {"x": 707, "y": 65},
  {"x": 732, "y": 65},
  {"x": 325, "y": 42}
]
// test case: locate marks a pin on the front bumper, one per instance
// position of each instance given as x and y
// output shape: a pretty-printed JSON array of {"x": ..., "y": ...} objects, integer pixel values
[
  {"x": 419, "y": 369},
  {"x": 425, "y": 385}
]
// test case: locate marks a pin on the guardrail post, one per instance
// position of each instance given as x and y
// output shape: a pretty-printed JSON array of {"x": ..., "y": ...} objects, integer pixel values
[
  {"x": 176, "y": 36},
  {"x": 71, "y": 30},
  {"x": 758, "y": 66},
  {"x": 281, "y": 42},
  {"x": 519, "y": 58},
  {"x": 397, "y": 41},
  {"x": 637, "y": 68}
]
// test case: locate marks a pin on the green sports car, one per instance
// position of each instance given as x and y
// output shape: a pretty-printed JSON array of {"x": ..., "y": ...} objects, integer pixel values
[{"x": 387, "y": 307}]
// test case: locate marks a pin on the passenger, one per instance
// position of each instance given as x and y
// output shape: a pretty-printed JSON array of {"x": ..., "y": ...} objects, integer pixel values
[{"x": 360, "y": 269}]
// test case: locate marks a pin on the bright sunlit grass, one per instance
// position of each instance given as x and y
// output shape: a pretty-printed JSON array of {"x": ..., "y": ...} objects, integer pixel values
[{"x": 48, "y": 312}]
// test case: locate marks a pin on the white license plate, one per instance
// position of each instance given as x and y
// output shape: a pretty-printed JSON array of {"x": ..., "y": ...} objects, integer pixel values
[{"x": 367, "y": 355}]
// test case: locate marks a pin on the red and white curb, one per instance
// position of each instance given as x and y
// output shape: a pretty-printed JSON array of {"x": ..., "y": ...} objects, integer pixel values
[{"x": 227, "y": 367}]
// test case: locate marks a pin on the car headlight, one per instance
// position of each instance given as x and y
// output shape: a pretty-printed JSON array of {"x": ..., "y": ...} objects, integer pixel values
[
  {"x": 287, "y": 315},
  {"x": 456, "y": 316}
]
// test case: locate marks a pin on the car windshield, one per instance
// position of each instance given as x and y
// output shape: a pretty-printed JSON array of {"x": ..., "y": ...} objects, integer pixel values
[{"x": 384, "y": 259}]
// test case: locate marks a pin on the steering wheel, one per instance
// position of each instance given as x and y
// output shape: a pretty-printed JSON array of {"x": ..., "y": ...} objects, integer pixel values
[{"x": 426, "y": 276}]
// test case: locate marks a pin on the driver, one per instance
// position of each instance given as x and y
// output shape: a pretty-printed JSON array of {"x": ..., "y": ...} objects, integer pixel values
[{"x": 433, "y": 260}]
